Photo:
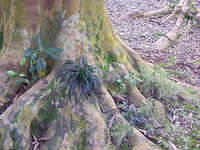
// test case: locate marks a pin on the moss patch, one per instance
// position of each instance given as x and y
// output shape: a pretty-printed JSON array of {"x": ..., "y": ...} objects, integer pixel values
[
  {"x": 192, "y": 91},
  {"x": 46, "y": 115}
]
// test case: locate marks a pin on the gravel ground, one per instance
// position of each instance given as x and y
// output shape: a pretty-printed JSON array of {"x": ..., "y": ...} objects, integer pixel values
[{"x": 181, "y": 59}]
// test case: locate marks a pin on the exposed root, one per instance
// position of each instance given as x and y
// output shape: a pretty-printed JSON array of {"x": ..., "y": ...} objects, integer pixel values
[
  {"x": 136, "y": 61},
  {"x": 96, "y": 121},
  {"x": 92, "y": 117},
  {"x": 36, "y": 142},
  {"x": 137, "y": 139},
  {"x": 180, "y": 8},
  {"x": 182, "y": 11},
  {"x": 138, "y": 13},
  {"x": 166, "y": 40},
  {"x": 136, "y": 98}
]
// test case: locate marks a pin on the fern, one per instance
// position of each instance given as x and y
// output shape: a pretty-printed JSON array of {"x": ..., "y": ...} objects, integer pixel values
[{"x": 80, "y": 79}]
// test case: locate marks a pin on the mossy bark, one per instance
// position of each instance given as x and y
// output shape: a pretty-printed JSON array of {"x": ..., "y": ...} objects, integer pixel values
[{"x": 42, "y": 111}]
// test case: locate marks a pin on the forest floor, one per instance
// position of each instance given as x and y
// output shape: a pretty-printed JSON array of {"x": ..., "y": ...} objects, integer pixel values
[{"x": 181, "y": 60}]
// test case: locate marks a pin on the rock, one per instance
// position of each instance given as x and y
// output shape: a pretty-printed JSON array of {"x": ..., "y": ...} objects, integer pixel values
[{"x": 159, "y": 111}]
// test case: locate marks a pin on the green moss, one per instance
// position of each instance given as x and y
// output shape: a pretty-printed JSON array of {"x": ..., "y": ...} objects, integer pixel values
[
  {"x": 126, "y": 146},
  {"x": 120, "y": 130},
  {"x": 51, "y": 85},
  {"x": 105, "y": 59},
  {"x": 189, "y": 141},
  {"x": 110, "y": 57},
  {"x": 189, "y": 106},
  {"x": 46, "y": 115},
  {"x": 36, "y": 128},
  {"x": 192, "y": 91},
  {"x": 48, "y": 112}
]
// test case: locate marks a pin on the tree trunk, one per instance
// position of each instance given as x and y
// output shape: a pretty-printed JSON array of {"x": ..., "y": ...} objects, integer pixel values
[{"x": 42, "y": 118}]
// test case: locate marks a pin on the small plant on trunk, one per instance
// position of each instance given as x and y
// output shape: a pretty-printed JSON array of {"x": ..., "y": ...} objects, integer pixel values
[
  {"x": 79, "y": 78},
  {"x": 39, "y": 59}
]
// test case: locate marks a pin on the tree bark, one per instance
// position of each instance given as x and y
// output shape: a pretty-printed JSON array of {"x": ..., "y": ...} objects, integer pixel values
[{"x": 41, "y": 117}]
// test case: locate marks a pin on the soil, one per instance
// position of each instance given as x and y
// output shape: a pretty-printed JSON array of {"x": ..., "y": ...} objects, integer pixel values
[{"x": 181, "y": 60}]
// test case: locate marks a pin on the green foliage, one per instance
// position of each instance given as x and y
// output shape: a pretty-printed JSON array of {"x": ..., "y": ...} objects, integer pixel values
[
  {"x": 21, "y": 77},
  {"x": 126, "y": 146},
  {"x": 12, "y": 73},
  {"x": 137, "y": 116},
  {"x": 80, "y": 79},
  {"x": 189, "y": 141},
  {"x": 48, "y": 113},
  {"x": 108, "y": 59},
  {"x": 120, "y": 84},
  {"x": 120, "y": 130},
  {"x": 192, "y": 91},
  {"x": 159, "y": 34},
  {"x": 39, "y": 57},
  {"x": 154, "y": 83},
  {"x": 157, "y": 84},
  {"x": 36, "y": 128}
]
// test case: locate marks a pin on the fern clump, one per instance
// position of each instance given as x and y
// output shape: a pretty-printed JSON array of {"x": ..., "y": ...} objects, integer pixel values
[{"x": 80, "y": 79}]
